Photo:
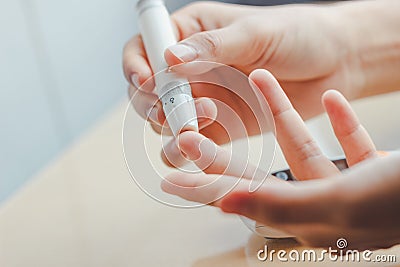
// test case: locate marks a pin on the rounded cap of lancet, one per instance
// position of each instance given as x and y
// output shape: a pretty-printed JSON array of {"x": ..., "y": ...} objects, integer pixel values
[{"x": 142, "y": 5}]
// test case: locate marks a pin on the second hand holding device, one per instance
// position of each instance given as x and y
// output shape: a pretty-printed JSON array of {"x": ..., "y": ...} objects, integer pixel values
[{"x": 173, "y": 90}]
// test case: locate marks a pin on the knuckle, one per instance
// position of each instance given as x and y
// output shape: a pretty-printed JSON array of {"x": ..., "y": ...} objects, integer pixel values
[
  {"x": 367, "y": 154},
  {"x": 350, "y": 133},
  {"x": 308, "y": 149}
]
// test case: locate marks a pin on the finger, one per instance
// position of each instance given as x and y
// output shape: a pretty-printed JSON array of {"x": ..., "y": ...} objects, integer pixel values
[
  {"x": 354, "y": 139},
  {"x": 137, "y": 69},
  {"x": 213, "y": 159},
  {"x": 186, "y": 21},
  {"x": 172, "y": 156},
  {"x": 302, "y": 153},
  {"x": 201, "y": 188},
  {"x": 203, "y": 16},
  {"x": 344, "y": 200},
  {"x": 206, "y": 113},
  {"x": 283, "y": 204},
  {"x": 229, "y": 45},
  {"x": 146, "y": 104},
  {"x": 276, "y": 203},
  {"x": 148, "y": 107}
]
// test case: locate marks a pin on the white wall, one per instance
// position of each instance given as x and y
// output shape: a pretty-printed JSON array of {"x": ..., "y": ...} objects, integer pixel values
[{"x": 60, "y": 70}]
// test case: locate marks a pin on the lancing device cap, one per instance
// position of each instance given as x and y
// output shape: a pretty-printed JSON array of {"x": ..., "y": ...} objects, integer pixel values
[{"x": 143, "y": 4}]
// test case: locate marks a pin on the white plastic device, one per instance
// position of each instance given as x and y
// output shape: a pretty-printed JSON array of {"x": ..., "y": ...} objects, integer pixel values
[{"x": 173, "y": 90}]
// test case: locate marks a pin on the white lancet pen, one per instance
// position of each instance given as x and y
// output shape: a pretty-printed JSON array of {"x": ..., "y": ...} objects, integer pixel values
[{"x": 173, "y": 90}]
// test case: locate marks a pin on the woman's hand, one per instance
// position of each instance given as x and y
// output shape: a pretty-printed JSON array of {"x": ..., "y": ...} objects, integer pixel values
[
  {"x": 360, "y": 204},
  {"x": 304, "y": 46}
]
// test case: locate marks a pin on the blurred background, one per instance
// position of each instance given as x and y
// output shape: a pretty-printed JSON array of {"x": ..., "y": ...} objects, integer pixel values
[{"x": 60, "y": 70}]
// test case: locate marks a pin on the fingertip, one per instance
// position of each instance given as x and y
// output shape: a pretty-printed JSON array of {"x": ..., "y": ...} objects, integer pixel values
[
  {"x": 172, "y": 156},
  {"x": 259, "y": 75},
  {"x": 188, "y": 137},
  {"x": 330, "y": 92},
  {"x": 164, "y": 158},
  {"x": 171, "y": 58},
  {"x": 139, "y": 74},
  {"x": 136, "y": 67},
  {"x": 262, "y": 75},
  {"x": 165, "y": 186},
  {"x": 189, "y": 143},
  {"x": 234, "y": 202},
  {"x": 140, "y": 77},
  {"x": 259, "y": 72},
  {"x": 332, "y": 95},
  {"x": 264, "y": 81},
  {"x": 327, "y": 98},
  {"x": 335, "y": 103},
  {"x": 171, "y": 182}
]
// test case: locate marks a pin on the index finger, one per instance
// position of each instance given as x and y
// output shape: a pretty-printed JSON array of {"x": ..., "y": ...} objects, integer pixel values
[
  {"x": 136, "y": 67},
  {"x": 302, "y": 153}
]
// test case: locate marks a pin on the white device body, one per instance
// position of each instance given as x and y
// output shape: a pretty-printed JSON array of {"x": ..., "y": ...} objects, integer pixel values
[{"x": 173, "y": 90}]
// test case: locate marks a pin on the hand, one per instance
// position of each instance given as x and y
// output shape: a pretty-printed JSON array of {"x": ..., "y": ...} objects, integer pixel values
[
  {"x": 303, "y": 46},
  {"x": 360, "y": 204}
]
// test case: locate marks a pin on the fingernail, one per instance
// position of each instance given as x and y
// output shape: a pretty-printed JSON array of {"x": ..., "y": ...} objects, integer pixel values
[
  {"x": 183, "y": 52},
  {"x": 190, "y": 152},
  {"x": 183, "y": 153},
  {"x": 135, "y": 80},
  {"x": 152, "y": 114}
]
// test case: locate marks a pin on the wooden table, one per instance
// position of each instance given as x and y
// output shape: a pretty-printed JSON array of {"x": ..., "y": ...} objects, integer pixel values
[{"x": 85, "y": 210}]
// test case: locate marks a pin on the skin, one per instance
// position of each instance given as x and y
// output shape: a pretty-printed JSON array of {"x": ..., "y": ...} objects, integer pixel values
[
  {"x": 360, "y": 204},
  {"x": 309, "y": 49}
]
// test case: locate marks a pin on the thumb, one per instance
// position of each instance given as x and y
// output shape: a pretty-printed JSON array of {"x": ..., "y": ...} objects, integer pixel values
[{"x": 227, "y": 45}]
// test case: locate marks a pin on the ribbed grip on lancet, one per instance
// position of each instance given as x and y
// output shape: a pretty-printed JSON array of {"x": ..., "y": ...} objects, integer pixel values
[
  {"x": 179, "y": 108},
  {"x": 174, "y": 88}
]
